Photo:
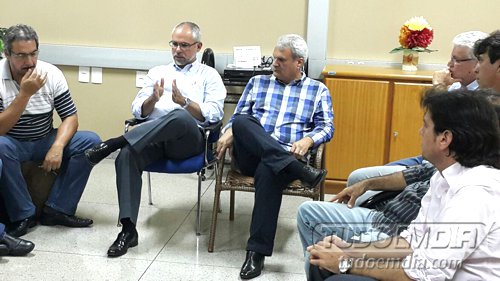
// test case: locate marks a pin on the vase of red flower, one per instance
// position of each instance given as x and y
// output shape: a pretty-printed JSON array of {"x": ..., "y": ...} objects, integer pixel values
[{"x": 414, "y": 37}]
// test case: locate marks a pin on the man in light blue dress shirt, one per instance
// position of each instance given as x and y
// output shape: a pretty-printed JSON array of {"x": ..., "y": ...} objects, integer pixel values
[{"x": 178, "y": 98}]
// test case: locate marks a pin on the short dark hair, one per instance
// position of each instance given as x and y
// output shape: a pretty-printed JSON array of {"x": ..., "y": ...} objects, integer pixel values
[
  {"x": 19, "y": 32},
  {"x": 490, "y": 45},
  {"x": 473, "y": 122}
]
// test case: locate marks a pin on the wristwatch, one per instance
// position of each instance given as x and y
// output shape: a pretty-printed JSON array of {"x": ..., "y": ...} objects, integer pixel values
[
  {"x": 187, "y": 101},
  {"x": 344, "y": 265}
]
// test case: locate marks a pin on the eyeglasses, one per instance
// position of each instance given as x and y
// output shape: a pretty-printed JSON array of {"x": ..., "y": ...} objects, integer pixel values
[
  {"x": 455, "y": 60},
  {"x": 23, "y": 56},
  {"x": 182, "y": 45}
]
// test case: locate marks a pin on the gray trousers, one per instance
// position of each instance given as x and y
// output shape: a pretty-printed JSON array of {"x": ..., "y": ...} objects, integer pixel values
[{"x": 174, "y": 136}]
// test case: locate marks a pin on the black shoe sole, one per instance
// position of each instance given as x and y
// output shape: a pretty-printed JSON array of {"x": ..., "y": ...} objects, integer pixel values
[
  {"x": 132, "y": 244},
  {"x": 24, "y": 252},
  {"x": 246, "y": 277},
  {"x": 53, "y": 222}
]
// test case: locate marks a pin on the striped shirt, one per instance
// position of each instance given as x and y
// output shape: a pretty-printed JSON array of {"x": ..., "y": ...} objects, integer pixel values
[
  {"x": 288, "y": 112},
  {"x": 397, "y": 214},
  {"x": 36, "y": 120}
]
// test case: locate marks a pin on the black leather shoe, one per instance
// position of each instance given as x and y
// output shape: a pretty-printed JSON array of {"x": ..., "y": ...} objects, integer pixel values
[
  {"x": 313, "y": 176},
  {"x": 19, "y": 228},
  {"x": 4, "y": 251},
  {"x": 97, "y": 153},
  {"x": 124, "y": 241},
  {"x": 16, "y": 246},
  {"x": 54, "y": 217},
  {"x": 253, "y": 265}
]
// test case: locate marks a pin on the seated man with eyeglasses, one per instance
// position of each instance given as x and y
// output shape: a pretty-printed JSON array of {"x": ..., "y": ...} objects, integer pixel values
[
  {"x": 460, "y": 69},
  {"x": 178, "y": 98},
  {"x": 30, "y": 90}
]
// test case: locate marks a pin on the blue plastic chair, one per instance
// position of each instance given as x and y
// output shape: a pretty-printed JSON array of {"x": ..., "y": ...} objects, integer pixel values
[{"x": 195, "y": 164}]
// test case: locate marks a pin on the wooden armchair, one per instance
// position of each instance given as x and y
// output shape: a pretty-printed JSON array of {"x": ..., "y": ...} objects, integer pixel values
[{"x": 235, "y": 181}]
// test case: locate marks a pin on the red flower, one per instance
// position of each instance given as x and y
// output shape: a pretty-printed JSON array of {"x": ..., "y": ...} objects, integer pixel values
[{"x": 422, "y": 38}]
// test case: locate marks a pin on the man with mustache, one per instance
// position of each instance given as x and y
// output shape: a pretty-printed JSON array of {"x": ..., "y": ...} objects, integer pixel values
[{"x": 30, "y": 90}]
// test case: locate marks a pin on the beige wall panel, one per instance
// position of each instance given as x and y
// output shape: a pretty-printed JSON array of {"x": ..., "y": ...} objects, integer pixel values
[
  {"x": 368, "y": 30},
  {"x": 103, "y": 108},
  {"x": 147, "y": 24}
]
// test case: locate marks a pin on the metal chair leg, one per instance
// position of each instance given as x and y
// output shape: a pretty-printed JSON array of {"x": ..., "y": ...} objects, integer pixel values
[
  {"x": 149, "y": 189},
  {"x": 198, "y": 211}
]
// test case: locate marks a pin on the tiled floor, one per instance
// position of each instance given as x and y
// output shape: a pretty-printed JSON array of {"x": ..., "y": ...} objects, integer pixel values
[{"x": 168, "y": 246}]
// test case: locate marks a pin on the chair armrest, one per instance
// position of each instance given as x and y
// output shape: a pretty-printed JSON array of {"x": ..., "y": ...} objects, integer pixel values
[
  {"x": 213, "y": 126},
  {"x": 317, "y": 157},
  {"x": 132, "y": 122},
  {"x": 212, "y": 133}
]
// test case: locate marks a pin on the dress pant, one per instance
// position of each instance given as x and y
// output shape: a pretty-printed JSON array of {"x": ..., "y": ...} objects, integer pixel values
[
  {"x": 71, "y": 178},
  {"x": 174, "y": 136},
  {"x": 262, "y": 157}
]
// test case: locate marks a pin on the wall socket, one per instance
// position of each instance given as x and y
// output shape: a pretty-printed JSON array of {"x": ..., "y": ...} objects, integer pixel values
[{"x": 84, "y": 74}]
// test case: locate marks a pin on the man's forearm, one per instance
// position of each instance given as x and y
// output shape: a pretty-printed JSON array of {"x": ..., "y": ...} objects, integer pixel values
[
  {"x": 66, "y": 131},
  {"x": 148, "y": 106},
  {"x": 381, "y": 260},
  {"x": 10, "y": 116},
  {"x": 391, "y": 182}
]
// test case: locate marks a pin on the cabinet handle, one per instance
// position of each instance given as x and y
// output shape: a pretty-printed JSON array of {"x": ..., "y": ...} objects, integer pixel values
[{"x": 395, "y": 134}]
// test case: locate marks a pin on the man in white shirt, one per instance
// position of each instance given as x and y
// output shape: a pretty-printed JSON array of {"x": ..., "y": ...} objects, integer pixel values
[
  {"x": 178, "y": 98},
  {"x": 456, "y": 234}
]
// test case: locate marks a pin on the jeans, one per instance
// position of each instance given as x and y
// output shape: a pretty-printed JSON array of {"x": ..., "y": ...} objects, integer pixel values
[
  {"x": 70, "y": 181},
  {"x": 316, "y": 220}
]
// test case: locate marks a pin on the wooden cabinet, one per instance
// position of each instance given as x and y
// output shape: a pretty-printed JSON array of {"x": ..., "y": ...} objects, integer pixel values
[{"x": 377, "y": 118}]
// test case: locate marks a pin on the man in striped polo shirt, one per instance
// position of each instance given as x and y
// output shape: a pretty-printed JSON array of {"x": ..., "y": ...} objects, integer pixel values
[{"x": 30, "y": 90}]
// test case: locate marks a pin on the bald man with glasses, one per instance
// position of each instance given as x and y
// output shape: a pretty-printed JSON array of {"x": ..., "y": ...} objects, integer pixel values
[{"x": 177, "y": 100}]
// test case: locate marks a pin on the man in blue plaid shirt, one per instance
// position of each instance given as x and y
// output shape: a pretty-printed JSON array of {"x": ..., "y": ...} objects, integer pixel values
[{"x": 278, "y": 119}]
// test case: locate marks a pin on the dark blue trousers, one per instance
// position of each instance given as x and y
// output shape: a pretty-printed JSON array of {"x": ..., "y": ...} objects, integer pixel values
[
  {"x": 70, "y": 181},
  {"x": 262, "y": 157}
]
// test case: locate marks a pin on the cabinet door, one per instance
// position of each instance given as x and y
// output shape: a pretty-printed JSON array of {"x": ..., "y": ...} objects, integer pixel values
[
  {"x": 407, "y": 118},
  {"x": 361, "y": 124}
]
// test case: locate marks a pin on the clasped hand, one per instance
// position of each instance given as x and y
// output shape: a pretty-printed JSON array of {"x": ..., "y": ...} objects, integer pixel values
[{"x": 327, "y": 253}]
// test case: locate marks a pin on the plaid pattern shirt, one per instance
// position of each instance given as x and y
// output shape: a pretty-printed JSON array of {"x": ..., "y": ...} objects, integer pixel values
[
  {"x": 398, "y": 213},
  {"x": 288, "y": 112}
]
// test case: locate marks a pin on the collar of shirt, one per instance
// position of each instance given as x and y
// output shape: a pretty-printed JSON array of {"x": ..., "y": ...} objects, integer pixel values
[
  {"x": 187, "y": 67},
  {"x": 457, "y": 85},
  {"x": 6, "y": 75},
  {"x": 294, "y": 82}
]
